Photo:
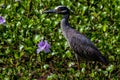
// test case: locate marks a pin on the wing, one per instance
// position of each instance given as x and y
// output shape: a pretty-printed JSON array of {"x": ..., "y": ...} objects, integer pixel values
[{"x": 85, "y": 48}]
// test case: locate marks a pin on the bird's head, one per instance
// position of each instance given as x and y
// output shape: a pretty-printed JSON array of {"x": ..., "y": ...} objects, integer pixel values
[{"x": 59, "y": 10}]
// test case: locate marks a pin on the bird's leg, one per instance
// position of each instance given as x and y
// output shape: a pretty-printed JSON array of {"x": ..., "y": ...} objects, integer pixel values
[{"x": 78, "y": 65}]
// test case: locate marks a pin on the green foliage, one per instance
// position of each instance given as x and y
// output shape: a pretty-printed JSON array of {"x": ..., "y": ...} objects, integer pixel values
[{"x": 26, "y": 26}]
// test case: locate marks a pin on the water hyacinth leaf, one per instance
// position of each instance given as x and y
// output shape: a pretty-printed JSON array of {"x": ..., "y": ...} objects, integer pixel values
[
  {"x": 77, "y": 74},
  {"x": 45, "y": 66},
  {"x": 70, "y": 64},
  {"x": 47, "y": 21},
  {"x": 52, "y": 77},
  {"x": 21, "y": 47},
  {"x": 92, "y": 74},
  {"x": 83, "y": 70},
  {"x": 68, "y": 54},
  {"x": 36, "y": 38},
  {"x": 16, "y": 55},
  {"x": 110, "y": 68},
  {"x": 104, "y": 27},
  {"x": 43, "y": 46},
  {"x": 21, "y": 54}
]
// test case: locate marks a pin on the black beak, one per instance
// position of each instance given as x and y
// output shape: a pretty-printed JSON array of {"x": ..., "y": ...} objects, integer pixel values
[{"x": 49, "y": 11}]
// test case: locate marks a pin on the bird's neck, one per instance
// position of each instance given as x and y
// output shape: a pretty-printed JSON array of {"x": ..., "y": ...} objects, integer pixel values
[{"x": 64, "y": 22}]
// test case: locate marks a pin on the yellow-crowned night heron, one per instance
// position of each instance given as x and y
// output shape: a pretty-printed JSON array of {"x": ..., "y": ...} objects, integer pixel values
[{"x": 80, "y": 44}]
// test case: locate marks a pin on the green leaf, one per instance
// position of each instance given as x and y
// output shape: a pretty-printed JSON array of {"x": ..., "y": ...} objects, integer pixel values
[{"x": 105, "y": 27}]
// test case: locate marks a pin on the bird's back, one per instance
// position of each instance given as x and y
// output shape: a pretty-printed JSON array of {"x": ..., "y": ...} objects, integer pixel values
[{"x": 82, "y": 46}]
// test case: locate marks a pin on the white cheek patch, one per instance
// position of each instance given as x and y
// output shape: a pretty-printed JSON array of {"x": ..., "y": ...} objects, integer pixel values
[
  {"x": 58, "y": 7},
  {"x": 64, "y": 11}
]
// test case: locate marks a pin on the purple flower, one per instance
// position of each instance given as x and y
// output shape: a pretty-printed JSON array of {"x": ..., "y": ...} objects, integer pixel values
[
  {"x": 43, "y": 45},
  {"x": 2, "y": 20},
  {"x": 3, "y": 6}
]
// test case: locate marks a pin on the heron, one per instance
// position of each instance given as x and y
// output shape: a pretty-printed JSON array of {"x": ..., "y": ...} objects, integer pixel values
[{"x": 80, "y": 44}]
